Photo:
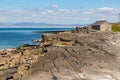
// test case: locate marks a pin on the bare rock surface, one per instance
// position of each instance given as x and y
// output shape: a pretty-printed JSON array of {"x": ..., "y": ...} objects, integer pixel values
[
  {"x": 93, "y": 56},
  {"x": 71, "y": 55}
]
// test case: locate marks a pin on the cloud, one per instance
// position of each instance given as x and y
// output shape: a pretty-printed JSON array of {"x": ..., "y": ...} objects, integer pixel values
[
  {"x": 51, "y": 7},
  {"x": 49, "y": 11},
  {"x": 54, "y": 6},
  {"x": 43, "y": 12},
  {"x": 108, "y": 10},
  {"x": 59, "y": 15},
  {"x": 87, "y": 13},
  {"x": 106, "y": 13},
  {"x": 63, "y": 17},
  {"x": 63, "y": 10},
  {"x": 105, "y": 9}
]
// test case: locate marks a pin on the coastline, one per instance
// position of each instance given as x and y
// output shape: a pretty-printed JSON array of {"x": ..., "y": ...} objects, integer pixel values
[
  {"x": 19, "y": 36},
  {"x": 80, "y": 54}
]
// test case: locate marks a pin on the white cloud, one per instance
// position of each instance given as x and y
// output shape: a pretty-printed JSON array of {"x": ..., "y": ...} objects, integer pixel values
[
  {"x": 54, "y": 6},
  {"x": 87, "y": 13},
  {"x": 51, "y": 7},
  {"x": 63, "y": 17},
  {"x": 59, "y": 15},
  {"x": 64, "y": 10},
  {"x": 43, "y": 12},
  {"x": 107, "y": 13},
  {"x": 105, "y": 9},
  {"x": 49, "y": 11},
  {"x": 108, "y": 10}
]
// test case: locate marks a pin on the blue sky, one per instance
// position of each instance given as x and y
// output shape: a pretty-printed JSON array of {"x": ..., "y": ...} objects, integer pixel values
[{"x": 59, "y": 11}]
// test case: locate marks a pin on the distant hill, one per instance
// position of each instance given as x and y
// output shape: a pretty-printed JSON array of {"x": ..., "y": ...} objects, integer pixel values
[
  {"x": 35, "y": 24},
  {"x": 116, "y": 27}
]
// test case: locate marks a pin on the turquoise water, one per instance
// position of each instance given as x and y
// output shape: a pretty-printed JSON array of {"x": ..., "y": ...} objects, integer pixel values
[{"x": 14, "y": 37}]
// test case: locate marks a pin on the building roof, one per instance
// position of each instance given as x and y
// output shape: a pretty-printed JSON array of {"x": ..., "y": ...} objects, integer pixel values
[{"x": 100, "y": 22}]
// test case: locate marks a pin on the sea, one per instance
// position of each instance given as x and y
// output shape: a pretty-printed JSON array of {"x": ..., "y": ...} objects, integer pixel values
[{"x": 14, "y": 37}]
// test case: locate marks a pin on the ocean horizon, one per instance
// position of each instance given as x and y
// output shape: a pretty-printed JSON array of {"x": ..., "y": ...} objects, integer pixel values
[{"x": 14, "y": 37}]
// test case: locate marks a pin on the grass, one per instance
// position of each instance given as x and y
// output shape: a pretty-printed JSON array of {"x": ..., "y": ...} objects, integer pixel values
[{"x": 116, "y": 27}]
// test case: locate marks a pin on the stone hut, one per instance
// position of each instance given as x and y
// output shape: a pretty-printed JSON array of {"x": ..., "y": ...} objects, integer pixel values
[{"x": 101, "y": 26}]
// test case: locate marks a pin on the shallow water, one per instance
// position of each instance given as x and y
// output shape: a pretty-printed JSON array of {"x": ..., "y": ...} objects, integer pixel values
[{"x": 13, "y": 37}]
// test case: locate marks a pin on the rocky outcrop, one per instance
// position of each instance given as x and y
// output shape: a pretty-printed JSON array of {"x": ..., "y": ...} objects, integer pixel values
[
  {"x": 90, "y": 56},
  {"x": 15, "y": 63},
  {"x": 79, "y": 54},
  {"x": 59, "y": 39}
]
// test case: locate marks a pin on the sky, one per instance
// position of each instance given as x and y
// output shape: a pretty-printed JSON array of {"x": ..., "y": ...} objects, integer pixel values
[{"x": 59, "y": 11}]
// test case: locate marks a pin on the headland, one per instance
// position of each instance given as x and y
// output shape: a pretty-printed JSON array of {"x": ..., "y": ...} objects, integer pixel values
[{"x": 80, "y": 54}]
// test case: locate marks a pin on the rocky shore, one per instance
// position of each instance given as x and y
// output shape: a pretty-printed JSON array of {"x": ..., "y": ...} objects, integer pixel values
[{"x": 80, "y": 54}]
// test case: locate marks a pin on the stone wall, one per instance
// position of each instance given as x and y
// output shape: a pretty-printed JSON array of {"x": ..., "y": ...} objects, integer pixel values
[{"x": 106, "y": 27}]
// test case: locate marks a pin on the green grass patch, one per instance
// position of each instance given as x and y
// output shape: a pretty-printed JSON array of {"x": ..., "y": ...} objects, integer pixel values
[{"x": 116, "y": 27}]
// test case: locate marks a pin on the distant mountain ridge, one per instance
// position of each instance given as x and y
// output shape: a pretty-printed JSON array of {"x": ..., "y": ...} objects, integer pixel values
[{"x": 35, "y": 24}]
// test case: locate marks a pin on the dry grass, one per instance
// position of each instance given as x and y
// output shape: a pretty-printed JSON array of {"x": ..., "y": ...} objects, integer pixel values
[{"x": 116, "y": 27}]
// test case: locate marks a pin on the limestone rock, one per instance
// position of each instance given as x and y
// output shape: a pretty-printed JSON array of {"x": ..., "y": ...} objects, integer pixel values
[{"x": 70, "y": 55}]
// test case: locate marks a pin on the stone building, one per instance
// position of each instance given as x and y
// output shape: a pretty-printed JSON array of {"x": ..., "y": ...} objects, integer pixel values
[{"x": 101, "y": 26}]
